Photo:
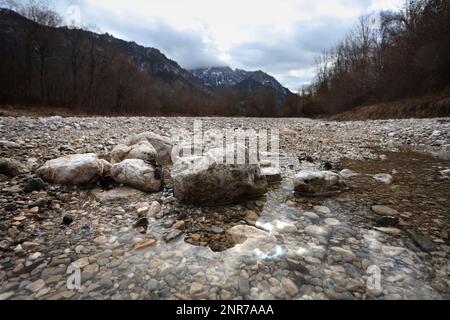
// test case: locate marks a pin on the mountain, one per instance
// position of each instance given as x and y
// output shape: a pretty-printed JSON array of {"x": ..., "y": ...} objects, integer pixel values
[
  {"x": 218, "y": 77},
  {"x": 95, "y": 73}
]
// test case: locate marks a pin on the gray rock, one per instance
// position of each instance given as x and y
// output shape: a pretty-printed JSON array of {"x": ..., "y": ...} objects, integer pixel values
[
  {"x": 384, "y": 210},
  {"x": 76, "y": 169},
  {"x": 423, "y": 242},
  {"x": 383, "y": 177},
  {"x": 121, "y": 193},
  {"x": 312, "y": 182},
  {"x": 12, "y": 168},
  {"x": 207, "y": 180},
  {"x": 138, "y": 174},
  {"x": 162, "y": 145}
]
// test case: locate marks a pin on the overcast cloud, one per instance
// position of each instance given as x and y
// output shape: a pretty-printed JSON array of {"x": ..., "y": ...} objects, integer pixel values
[{"x": 281, "y": 37}]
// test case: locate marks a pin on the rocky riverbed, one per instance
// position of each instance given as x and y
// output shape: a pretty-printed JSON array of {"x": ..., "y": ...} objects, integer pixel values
[{"x": 385, "y": 236}]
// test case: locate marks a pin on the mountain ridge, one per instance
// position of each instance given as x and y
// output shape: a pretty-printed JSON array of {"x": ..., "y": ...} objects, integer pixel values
[{"x": 218, "y": 77}]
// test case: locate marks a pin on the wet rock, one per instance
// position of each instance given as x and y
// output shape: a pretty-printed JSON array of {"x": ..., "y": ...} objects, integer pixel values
[
  {"x": 207, "y": 180},
  {"x": 138, "y": 174},
  {"x": 196, "y": 288},
  {"x": 316, "y": 182},
  {"x": 67, "y": 220},
  {"x": 76, "y": 169},
  {"x": 6, "y": 295},
  {"x": 316, "y": 231},
  {"x": 384, "y": 210},
  {"x": 385, "y": 178},
  {"x": 289, "y": 286},
  {"x": 172, "y": 235},
  {"x": 33, "y": 184},
  {"x": 12, "y": 168},
  {"x": 346, "y": 173},
  {"x": 36, "y": 285},
  {"x": 155, "y": 209},
  {"x": 387, "y": 221},
  {"x": 251, "y": 217},
  {"x": 179, "y": 225},
  {"x": 272, "y": 174},
  {"x": 423, "y": 242},
  {"x": 392, "y": 251},
  {"x": 391, "y": 231},
  {"x": 117, "y": 194}
]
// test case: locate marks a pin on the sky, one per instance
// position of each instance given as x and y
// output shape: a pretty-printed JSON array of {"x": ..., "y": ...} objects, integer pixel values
[{"x": 280, "y": 37}]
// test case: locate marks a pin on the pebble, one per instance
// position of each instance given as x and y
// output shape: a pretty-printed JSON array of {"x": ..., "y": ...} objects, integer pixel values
[
  {"x": 384, "y": 210},
  {"x": 322, "y": 209},
  {"x": 36, "y": 285}
]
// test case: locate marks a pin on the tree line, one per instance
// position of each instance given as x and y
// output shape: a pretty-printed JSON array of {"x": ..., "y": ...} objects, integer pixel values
[{"x": 401, "y": 54}]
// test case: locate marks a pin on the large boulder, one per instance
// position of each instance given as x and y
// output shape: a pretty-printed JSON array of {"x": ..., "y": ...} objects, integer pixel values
[
  {"x": 145, "y": 146},
  {"x": 317, "y": 182},
  {"x": 207, "y": 180},
  {"x": 12, "y": 168},
  {"x": 142, "y": 150},
  {"x": 78, "y": 169},
  {"x": 138, "y": 174}
]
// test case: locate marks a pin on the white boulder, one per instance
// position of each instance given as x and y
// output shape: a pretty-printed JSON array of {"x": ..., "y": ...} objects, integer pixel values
[
  {"x": 78, "y": 169},
  {"x": 312, "y": 182},
  {"x": 209, "y": 179},
  {"x": 138, "y": 174}
]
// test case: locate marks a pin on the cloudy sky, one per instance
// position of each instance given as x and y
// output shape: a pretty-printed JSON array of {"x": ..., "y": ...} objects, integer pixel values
[{"x": 281, "y": 37}]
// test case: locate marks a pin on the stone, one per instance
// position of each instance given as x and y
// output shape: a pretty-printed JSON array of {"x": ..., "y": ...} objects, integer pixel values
[
  {"x": 244, "y": 285},
  {"x": 322, "y": 209},
  {"x": 101, "y": 240},
  {"x": 391, "y": 231},
  {"x": 179, "y": 225},
  {"x": 332, "y": 222},
  {"x": 79, "y": 169},
  {"x": 155, "y": 208},
  {"x": 346, "y": 173},
  {"x": 81, "y": 263},
  {"x": 207, "y": 180},
  {"x": 12, "y": 168},
  {"x": 272, "y": 174},
  {"x": 423, "y": 242},
  {"x": 196, "y": 288},
  {"x": 36, "y": 285},
  {"x": 67, "y": 220},
  {"x": 143, "y": 151},
  {"x": 119, "y": 153},
  {"x": 92, "y": 268},
  {"x": 106, "y": 167},
  {"x": 289, "y": 286},
  {"x": 251, "y": 217},
  {"x": 316, "y": 182},
  {"x": 33, "y": 184},
  {"x": 117, "y": 194},
  {"x": 172, "y": 235},
  {"x": 392, "y": 251},
  {"x": 311, "y": 215},
  {"x": 144, "y": 244},
  {"x": 6, "y": 295},
  {"x": 384, "y": 210},
  {"x": 385, "y": 178},
  {"x": 162, "y": 145},
  {"x": 316, "y": 231},
  {"x": 138, "y": 174}
]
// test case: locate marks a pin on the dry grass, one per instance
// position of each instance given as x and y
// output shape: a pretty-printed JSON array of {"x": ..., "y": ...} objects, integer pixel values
[
  {"x": 36, "y": 111},
  {"x": 423, "y": 107}
]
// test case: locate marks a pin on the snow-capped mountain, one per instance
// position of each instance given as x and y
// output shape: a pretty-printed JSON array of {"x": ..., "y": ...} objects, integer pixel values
[{"x": 216, "y": 77}]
